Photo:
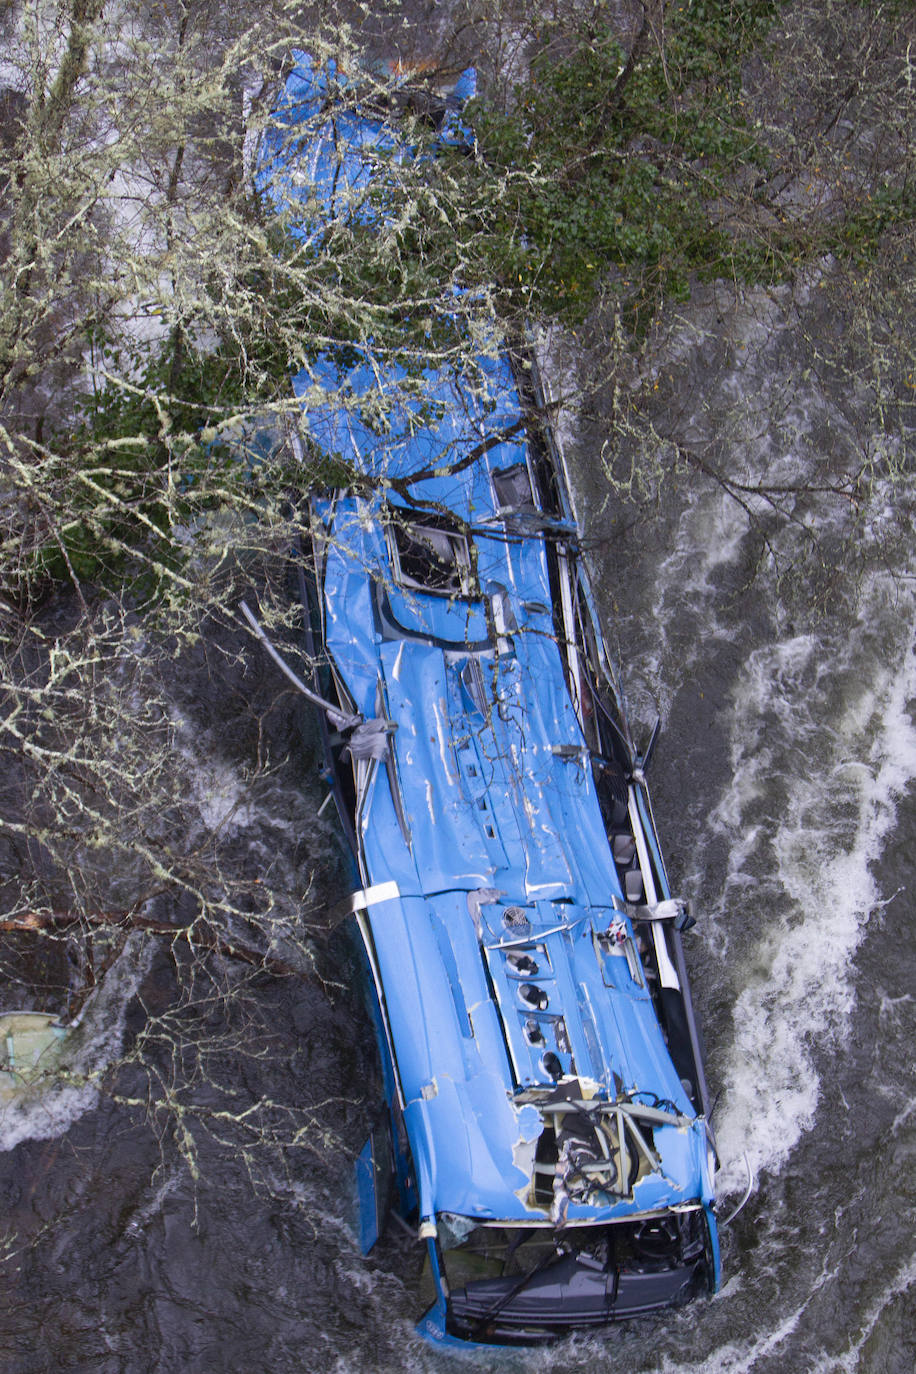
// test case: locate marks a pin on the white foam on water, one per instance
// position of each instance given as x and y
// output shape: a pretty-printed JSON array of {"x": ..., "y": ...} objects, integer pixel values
[
  {"x": 218, "y": 793},
  {"x": 216, "y": 789},
  {"x": 681, "y": 619},
  {"x": 44, "y": 1114},
  {"x": 840, "y": 781},
  {"x": 151, "y": 1207},
  {"x": 734, "y": 1358},
  {"x": 709, "y": 536},
  {"x": 49, "y": 1108},
  {"x": 741, "y": 1358},
  {"x": 849, "y": 1361}
]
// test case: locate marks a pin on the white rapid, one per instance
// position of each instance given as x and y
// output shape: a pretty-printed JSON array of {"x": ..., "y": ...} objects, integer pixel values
[{"x": 822, "y": 748}]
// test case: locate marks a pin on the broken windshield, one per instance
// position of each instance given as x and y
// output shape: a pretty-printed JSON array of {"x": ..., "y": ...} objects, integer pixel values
[{"x": 533, "y": 1277}]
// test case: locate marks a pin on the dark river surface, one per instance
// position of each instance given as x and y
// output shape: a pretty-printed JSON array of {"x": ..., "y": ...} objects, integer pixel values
[{"x": 783, "y": 786}]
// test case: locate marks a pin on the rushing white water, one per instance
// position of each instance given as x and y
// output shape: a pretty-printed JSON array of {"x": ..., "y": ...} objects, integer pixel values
[
  {"x": 50, "y": 1106},
  {"x": 803, "y": 871},
  {"x": 851, "y": 1359},
  {"x": 784, "y": 843}
]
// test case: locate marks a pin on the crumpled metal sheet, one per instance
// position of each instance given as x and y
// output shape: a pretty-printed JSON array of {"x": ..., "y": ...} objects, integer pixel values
[{"x": 490, "y": 765}]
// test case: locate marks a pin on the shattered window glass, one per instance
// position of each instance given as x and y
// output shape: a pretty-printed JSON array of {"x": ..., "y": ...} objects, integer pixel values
[
  {"x": 513, "y": 488},
  {"x": 431, "y": 558}
]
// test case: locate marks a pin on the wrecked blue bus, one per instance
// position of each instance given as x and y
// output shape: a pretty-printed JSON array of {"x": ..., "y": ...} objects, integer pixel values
[{"x": 548, "y": 1135}]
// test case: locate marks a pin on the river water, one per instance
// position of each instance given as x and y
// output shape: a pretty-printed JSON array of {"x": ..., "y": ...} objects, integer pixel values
[{"x": 783, "y": 786}]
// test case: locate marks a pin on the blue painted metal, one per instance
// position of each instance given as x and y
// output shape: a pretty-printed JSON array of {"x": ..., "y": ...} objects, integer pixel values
[
  {"x": 715, "y": 1274},
  {"x": 508, "y": 966},
  {"x": 369, "y": 1219}
]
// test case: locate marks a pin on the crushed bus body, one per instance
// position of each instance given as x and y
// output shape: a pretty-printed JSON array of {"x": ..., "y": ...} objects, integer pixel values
[{"x": 548, "y": 1111}]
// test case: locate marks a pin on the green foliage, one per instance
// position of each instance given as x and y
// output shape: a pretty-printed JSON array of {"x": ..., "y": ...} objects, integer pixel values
[
  {"x": 141, "y": 464},
  {"x": 858, "y": 233},
  {"x": 636, "y": 153},
  {"x": 636, "y": 170},
  {"x": 648, "y": 170}
]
